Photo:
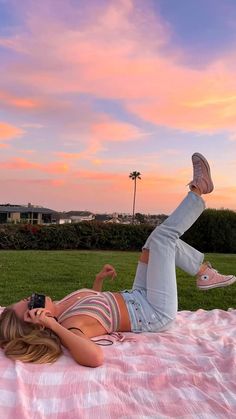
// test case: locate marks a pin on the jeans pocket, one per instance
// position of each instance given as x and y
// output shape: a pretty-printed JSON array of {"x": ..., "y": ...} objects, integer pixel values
[
  {"x": 137, "y": 319},
  {"x": 152, "y": 322},
  {"x": 159, "y": 325},
  {"x": 151, "y": 319}
]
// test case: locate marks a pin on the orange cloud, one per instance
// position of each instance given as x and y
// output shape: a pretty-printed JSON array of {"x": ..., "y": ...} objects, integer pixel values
[
  {"x": 98, "y": 176},
  {"x": 70, "y": 156},
  {"x": 27, "y": 151},
  {"x": 151, "y": 181},
  {"x": 56, "y": 167},
  {"x": 19, "y": 164},
  {"x": 100, "y": 132},
  {"x": 19, "y": 102},
  {"x": 191, "y": 110},
  {"x": 58, "y": 182},
  {"x": 154, "y": 195},
  {"x": 87, "y": 154},
  {"x": 8, "y": 132},
  {"x": 223, "y": 198},
  {"x": 23, "y": 164}
]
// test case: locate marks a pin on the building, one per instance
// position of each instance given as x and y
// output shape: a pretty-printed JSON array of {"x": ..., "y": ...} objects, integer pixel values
[
  {"x": 102, "y": 218},
  {"x": 29, "y": 214},
  {"x": 63, "y": 219},
  {"x": 114, "y": 219},
  {"x": 74, "y": 217}
]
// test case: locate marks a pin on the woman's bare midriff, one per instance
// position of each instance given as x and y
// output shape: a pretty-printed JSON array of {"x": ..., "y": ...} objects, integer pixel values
[
  {"x": 90, "y": 326},
  {"x": 125, "y": 325}
]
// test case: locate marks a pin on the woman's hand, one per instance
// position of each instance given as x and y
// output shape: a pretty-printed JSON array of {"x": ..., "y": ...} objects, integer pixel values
[
  {"x": 40, "y": 316},
  {"x": 107, "y": 271}
]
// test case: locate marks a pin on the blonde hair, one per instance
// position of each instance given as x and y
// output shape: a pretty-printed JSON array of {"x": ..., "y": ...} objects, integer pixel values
[{"x": 27, "y": 342}]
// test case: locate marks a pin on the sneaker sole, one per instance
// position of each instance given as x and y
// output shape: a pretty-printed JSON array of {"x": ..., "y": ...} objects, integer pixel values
[
  {"x": 219, "y": 284},
  {"x": 205, "y": 162}
]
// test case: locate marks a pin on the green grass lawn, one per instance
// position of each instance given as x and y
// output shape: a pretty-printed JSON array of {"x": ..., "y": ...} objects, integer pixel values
[{"x": 57, "y": 273}]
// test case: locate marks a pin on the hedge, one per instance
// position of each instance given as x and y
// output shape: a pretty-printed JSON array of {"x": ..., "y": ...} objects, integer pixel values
[
  {"x": 84, "y": 235},
  {"x": 214, "y": 231}
]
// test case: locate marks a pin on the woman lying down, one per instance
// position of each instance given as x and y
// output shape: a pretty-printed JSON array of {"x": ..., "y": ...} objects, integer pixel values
[{"x": 33, "y": 329}]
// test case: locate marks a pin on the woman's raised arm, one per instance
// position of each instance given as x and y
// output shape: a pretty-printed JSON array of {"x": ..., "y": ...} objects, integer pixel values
[{"x": 107, "y": 271}]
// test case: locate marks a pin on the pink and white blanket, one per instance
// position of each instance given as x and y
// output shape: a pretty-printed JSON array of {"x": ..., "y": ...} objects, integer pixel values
[{"x": 186, "y": 372}]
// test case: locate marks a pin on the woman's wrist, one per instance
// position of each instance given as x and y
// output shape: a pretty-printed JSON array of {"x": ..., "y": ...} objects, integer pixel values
[
  {"x": 98, "y": 282},
  {"x": 55, "y": 326}
]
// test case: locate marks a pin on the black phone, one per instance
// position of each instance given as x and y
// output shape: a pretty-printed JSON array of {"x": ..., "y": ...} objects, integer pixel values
[{"x": 36, "y": 301}]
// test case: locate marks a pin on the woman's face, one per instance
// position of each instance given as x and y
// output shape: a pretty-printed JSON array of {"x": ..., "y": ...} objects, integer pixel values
[{"x": 21, "y": 306}]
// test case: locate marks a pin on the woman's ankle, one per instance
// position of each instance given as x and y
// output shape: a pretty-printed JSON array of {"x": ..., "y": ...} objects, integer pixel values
[
  {"x": 195, "y": 190},
  {"x": 202, "y": 268}
]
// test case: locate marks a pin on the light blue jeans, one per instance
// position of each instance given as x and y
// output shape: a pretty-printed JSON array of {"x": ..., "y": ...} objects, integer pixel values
[{"x": 153, "y": 302}]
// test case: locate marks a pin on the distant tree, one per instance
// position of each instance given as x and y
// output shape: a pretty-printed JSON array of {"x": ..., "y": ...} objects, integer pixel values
[
  {"x": 140, "y": 217},
  {"x": 134, "y": 176},
  {"x": 162, "y": 217}
]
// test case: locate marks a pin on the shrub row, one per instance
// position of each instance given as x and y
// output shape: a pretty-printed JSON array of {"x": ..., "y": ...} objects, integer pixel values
[
  {"x": 214, "y": 231},
  {"x": 85, "y": 235}
]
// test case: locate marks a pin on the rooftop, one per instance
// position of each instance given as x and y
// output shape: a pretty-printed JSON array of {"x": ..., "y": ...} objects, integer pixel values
[{"x": 25, "y": 208}]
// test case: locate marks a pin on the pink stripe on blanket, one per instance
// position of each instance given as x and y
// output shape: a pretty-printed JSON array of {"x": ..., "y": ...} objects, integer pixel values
[{"x": 185, "y": 372}]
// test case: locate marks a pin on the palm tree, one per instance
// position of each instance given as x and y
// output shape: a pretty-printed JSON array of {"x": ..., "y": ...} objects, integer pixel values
[{"x": 134, "y": 176}]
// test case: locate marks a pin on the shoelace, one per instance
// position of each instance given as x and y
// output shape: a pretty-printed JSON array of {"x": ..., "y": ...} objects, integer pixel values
[
  {"x": 209, "y": 265},
  {"x": 197, "y": 174},
  {"x": 198, "y": 169}
]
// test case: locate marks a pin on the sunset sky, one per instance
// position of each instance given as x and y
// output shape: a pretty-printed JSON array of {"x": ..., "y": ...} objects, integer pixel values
[{"x": 91, "y": 90}]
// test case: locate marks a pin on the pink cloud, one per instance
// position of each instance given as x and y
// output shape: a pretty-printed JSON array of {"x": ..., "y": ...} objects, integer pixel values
[
  {"x": 109, "y": 130},
  {"x": 130, "y": 67},
  {"x": 101, "y": 130},
  {"x": 62, "y": 65}
]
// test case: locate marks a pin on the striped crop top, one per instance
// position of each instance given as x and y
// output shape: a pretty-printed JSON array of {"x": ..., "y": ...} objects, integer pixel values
[{"x": 102, "y": 306}]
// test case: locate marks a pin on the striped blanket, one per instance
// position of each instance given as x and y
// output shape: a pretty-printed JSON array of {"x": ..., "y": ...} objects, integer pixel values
[{"x": 186, "y": 372}]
